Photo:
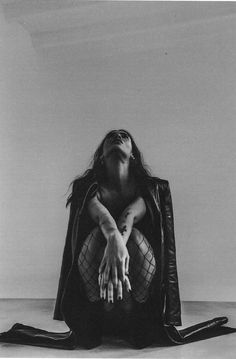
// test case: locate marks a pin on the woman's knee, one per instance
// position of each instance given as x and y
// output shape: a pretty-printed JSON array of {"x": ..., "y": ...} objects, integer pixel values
[{"x": 139, "y": 245}]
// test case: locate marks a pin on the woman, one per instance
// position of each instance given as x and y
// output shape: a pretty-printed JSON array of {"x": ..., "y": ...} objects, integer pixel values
[
  {"x": 118, "y": 270},
  {"x": 121, "y": 238}
]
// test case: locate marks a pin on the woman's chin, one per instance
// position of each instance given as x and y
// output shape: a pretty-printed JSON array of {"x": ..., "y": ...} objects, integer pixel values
[{"x": 116, "y": 148}]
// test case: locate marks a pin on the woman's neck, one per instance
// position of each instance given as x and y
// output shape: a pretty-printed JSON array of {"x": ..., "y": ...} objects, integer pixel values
[{"x": 118, "y": 174}]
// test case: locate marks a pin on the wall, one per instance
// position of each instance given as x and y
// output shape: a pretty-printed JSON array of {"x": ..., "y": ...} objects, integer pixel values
[{"x": 178, "y": 101}]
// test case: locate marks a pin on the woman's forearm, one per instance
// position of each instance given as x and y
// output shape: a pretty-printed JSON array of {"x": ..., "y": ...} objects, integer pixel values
[
  {"x": 125, "y": 223},
  {"x": 107, "y": 225},
  {"x": 115, "y": 261},
  {"x": 100, "y": 214},
  {"x": 131, "y": 215}
]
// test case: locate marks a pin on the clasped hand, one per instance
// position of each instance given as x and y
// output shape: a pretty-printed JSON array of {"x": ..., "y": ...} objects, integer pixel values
[{"x": 114, "y": 268}]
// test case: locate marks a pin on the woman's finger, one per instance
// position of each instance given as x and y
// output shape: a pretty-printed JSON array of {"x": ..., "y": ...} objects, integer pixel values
[
  {"x": 102, "y": 281},
  {"x": 127, "y": 265},
  {"x": 99, "y": 279},
  {"x": 121, "y": 271},
  {"x": 114, "y": 276},
  {"x": 103, "y": 293},
  {"x": 106, "y": 274},
  {"x": 103, "y": 284},
  {"x": 102, "y": 287},
  {"x": 127, "y": 284},
  {"x": 119, "y": 290},
  {"x": 102, "y": 266},
  {"x": 110, "y": 294}
]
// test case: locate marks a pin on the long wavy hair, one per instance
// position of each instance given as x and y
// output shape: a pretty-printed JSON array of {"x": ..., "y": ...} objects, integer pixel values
[{"x": 96, "y": 170}]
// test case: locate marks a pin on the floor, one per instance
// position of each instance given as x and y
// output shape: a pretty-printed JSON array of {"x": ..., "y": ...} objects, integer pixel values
[{"x": 38, "y": 313}]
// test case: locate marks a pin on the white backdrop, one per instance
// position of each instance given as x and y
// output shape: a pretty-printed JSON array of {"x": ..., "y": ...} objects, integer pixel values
[{"x": 173, "y": 88}]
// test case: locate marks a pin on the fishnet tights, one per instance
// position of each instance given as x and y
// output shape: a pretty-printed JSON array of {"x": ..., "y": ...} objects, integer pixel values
[{"x": 142, "y": 264}]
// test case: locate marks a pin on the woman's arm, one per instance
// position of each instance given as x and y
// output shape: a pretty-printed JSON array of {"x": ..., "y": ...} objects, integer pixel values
[
  {"x": 131, "y": 215},
  {"x": 100, "y": 214},
  {"x": 115, "y": 261}
]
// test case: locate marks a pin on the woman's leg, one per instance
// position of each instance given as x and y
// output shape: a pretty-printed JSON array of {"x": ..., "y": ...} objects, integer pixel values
[
  {"x": 142, "y": 265},
  {"x": 88, "y": 263},
  {"x": 142, "y": 271},
  {"x": 89, "y": 260},
  {"x": 86, "y": 319}
]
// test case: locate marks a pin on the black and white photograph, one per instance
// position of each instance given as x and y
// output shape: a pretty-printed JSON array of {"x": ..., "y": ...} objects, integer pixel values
[{"x": 118, "y": 179}]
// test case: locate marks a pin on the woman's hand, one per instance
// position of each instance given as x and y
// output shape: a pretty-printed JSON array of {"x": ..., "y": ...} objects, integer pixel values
[
  {"x": 108, "y": 291},
  {"x": 115, "y": 261},
  {"x": 114, "y": 269}
]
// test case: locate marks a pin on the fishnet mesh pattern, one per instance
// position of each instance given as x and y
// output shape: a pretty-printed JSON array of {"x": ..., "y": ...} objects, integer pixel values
[
  {"x": 89, "y": 260},
  {"x": 142, "y": 264}
]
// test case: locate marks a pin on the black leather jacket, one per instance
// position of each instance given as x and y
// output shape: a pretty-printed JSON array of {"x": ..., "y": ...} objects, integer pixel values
[
  {"x": 157, "y": 226},
  {"x": 164, "y": 301}
]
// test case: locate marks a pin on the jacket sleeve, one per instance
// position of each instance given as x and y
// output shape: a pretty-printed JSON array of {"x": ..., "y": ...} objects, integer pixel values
[
  {"x": 171, "y": 287},
  {"x": 66, "y": 260}
]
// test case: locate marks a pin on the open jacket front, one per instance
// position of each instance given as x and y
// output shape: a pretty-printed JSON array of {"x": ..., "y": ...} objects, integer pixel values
[{"x": 157, "y": 226}]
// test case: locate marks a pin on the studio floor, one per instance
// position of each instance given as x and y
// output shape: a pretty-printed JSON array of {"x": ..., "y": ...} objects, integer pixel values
[{"x": 38, "y": 313}]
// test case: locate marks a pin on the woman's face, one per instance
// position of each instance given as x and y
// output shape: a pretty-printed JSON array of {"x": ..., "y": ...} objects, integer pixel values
[{"x": 117, "y": 140}]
